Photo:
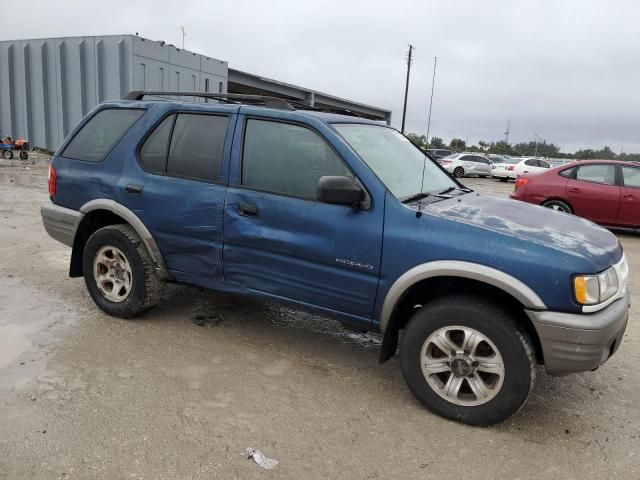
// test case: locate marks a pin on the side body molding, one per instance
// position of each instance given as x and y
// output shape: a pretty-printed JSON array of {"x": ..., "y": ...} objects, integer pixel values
[
  {"x": 454, "y": 268},
  {"x": 138, "y": 226}
]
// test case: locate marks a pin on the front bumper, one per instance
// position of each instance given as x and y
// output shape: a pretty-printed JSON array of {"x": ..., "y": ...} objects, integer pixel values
[
  {"x": 60, "y": 223},
  {"x": 579, "y": 342}
]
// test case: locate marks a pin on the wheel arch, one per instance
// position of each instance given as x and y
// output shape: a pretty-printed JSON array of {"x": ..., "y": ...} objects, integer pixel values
[
  {"x": 434, "y": 279},
  {"x": 101, "y": 213}
]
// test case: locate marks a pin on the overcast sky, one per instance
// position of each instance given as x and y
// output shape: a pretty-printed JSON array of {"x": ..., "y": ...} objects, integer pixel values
[{"x": 568, "y": 70}]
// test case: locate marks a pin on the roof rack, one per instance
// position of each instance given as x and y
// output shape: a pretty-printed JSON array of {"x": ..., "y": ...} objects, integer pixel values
[
  {"x": 272, "y": 102},
  {"x": 235, "y": 98}
]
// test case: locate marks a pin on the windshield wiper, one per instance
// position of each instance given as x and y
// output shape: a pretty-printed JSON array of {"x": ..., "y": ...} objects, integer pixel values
[
  {"x": 420, "y": 196},
  {"x": 451, "y": 189}
]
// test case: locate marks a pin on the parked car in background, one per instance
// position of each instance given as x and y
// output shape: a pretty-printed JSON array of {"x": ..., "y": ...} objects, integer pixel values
[
  {"x": 606, "y": 192},
  {"x": 440, "y": 152},
  {"x": 517, "y": 166},
  {"x": 465, "y": 164},
  {"x": 498, "y": 158},
  {"x": 558, "y": 162}
]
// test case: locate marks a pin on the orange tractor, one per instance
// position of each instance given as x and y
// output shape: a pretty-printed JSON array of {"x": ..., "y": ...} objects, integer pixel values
[{"x": 8, "y": 145}]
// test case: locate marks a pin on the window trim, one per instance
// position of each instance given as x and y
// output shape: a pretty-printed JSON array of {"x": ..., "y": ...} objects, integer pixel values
[
  {"x": 154, "y": 127},
  {"x": 616, "y": 181},
  {"x": 622, "y": 183},
  {"x": 366, "y": 201},
  {"x": 116, "y": 143}
]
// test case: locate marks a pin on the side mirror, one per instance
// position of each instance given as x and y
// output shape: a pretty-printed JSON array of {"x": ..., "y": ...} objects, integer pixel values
[{"x": 339, "y": 191}]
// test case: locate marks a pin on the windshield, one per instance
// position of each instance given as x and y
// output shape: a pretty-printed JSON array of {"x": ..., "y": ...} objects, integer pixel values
[{"x": 394, "y": 159}]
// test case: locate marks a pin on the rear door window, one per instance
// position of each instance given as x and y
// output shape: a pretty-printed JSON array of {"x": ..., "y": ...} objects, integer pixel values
[
  {"x": 101, "y": 133},
  {"x": 153, "y": 153},
  {"x": 197, "y": 146},
  {"x": 604, "y": 174},
  {"x": 631, "y": 177}
]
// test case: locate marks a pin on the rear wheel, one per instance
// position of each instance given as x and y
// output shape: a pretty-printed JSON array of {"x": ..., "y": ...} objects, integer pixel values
[
  {"x": 466, "y": 359},
  {"x": 119, "y": 273},
  {"x": 458, "y": 172},
  {"x": 558, "y": 205},
  {"x": 7, "y": 154},
  {"x": 23, "y": 155}
]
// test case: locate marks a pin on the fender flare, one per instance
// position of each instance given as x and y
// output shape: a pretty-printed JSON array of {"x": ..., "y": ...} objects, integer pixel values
[
  {"x": 133, "y": 220},
  {"x": 454, "y": 268}
]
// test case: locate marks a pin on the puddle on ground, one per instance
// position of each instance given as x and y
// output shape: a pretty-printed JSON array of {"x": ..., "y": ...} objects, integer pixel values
[{"x": 28, "y": 322}]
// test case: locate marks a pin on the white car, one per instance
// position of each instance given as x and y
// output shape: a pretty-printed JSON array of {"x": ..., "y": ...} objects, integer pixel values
[
  {"x": 514, "y": 166},
  {"x": 465, "y": 164}
]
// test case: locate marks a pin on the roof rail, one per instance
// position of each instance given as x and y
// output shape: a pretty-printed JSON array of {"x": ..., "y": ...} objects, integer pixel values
[{"x": 272, "y": 102}]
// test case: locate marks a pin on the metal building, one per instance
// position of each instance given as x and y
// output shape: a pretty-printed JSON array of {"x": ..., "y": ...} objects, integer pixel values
[{"x": 48, "y": 85}]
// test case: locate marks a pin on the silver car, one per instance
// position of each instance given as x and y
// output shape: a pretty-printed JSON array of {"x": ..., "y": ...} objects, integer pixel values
[{"x": 465, "y": 164}]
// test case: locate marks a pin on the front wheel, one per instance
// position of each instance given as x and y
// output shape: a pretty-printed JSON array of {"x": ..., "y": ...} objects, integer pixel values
[
  {"x": 467, "y": 360},
  {"x": 557, "y": 205},
  {"x": 7, "y": 154},
  {"x": 458, "y": 172},
  {"x": 119, "y": 273}
]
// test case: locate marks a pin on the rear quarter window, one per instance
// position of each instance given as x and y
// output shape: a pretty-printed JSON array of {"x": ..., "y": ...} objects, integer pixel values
[{"x": 101, "y": 133}]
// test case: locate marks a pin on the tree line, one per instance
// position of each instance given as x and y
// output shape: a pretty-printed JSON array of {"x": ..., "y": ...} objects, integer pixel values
[{"x": 522, "y": 149}]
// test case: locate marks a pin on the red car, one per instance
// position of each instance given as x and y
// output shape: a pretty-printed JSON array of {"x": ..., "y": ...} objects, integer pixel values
[{"x": 604, "y": 191}]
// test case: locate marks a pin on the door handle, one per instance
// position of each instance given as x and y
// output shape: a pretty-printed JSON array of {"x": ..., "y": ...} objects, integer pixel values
[
  {"x": 134, "y": 189},
  {"x": 574, "y": 190},
  {"x": 629, "y": 197},
  {"x": 248, "y": 210}
]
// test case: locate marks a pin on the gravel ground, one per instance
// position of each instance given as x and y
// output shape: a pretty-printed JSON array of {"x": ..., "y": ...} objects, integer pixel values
[{"x": 83, "y": 395}]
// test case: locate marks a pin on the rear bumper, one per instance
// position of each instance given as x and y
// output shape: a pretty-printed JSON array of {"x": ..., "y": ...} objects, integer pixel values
[
  {"x": 60, "y": 223},
  {"x": 580, "y": 342},
  {"x": 502, "y": 174}
]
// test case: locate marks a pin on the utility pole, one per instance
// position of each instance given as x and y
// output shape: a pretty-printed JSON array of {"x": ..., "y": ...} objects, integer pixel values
[
  {"x": 433, "y": 82},
  {"x": 507, "y": 131},
  {"x": 184, "y": 34},
  {"x": 537, "y": 137},
  {"x": 406, "y": 87}
]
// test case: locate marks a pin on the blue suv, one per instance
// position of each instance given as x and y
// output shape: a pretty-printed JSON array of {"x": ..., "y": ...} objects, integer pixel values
[{"x": 345, "y": 217}]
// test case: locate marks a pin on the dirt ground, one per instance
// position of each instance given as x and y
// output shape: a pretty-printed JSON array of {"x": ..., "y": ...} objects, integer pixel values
[{"x": 83, "y": 395}]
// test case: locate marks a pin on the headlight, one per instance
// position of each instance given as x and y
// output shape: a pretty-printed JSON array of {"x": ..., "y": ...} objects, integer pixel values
[{"x": 594, "y": 289}]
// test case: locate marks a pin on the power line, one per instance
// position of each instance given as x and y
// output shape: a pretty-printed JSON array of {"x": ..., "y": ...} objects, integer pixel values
[{"x": 406, "y": 87}]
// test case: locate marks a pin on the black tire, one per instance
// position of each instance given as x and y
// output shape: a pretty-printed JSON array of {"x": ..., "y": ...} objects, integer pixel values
[
  {"x": 7, "y": 154},
  {"x": 146, "y": 289},
  {"x": 558, "y": 205},
  {"x": 495, "y": 324},
  {"x": 503, "y": 179},
  {"x": 458, "y": 172},
  {"x": 23, "y": 155}
]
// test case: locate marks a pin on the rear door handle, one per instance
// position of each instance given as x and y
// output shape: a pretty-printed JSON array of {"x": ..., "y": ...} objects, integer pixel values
[
  {"x": 629, "y": 197},
  {"x": 248, "y": 210},
  {"x": 134, "y": 189},
  {"x": 574, "y": 190}
]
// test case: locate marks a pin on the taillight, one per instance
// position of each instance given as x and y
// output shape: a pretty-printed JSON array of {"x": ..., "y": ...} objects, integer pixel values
[
  {"x": 511, "y": 168},
  {"x": 52, "y": 177},
  {"x": 521, "y": 182},
  {"x": 445, "y": 162}
]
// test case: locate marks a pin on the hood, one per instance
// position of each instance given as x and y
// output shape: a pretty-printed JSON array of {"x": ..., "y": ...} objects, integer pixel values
[{"x": 566, "y": 233}]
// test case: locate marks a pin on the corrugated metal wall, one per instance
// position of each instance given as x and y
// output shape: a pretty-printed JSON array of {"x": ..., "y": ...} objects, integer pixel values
[{"x": 48, "y": 85}]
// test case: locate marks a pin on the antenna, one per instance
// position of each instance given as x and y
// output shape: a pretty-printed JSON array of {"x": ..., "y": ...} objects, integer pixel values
[
  {"x": 424, "y": 164},
  {"x": 184, "y": 34},
  {"x": 406, "y": 88}
]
